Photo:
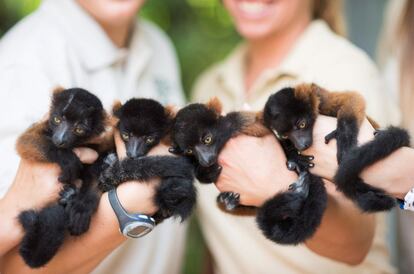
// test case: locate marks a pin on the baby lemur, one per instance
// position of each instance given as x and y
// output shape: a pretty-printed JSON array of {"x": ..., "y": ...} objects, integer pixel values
[
  {"x": 76, "y": 118},
  {"x": 291, "y": 114},
  {"x": 200, "y": 132},
  {"x": 144, "y": 123}
]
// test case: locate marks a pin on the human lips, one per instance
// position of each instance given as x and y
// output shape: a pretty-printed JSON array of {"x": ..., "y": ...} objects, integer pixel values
[{"x": 254, "y": 9}]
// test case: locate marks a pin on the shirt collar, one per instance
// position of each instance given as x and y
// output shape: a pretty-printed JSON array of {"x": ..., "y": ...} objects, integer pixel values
[
  {"x": 86, "y": 35},
  {"x": 231, "y": 72}
]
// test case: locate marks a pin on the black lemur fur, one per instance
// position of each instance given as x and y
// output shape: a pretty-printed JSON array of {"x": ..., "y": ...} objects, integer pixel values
[
  {"x": 76, "y": 118},
  {"x": 200, "y": 132},
  {"x": 309, "y": 100},
  {"x": 144, "y": 123},
  {"x": 293, "y": 216},
  {"x": 369, "y": 198}
]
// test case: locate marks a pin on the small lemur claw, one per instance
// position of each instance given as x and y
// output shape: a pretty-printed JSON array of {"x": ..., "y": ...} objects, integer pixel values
[
  {"x": 301, "y": 185},
  {"x": 230, "y": 200},
  {"x": 66, "y": 193}
]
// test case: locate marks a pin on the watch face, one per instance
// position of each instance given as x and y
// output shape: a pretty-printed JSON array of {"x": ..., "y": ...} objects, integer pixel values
[{"x": 136, "y": 230}]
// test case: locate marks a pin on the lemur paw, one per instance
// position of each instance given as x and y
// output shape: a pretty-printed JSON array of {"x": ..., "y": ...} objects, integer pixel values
[
  {"x": 71, "y": 172},
  {"x": 175, "y": 197},
  {"x": 300, "y": 162},
  {"x": 66, "y": 194},
  {"x": 330, "y": 136},
  {"x": 107, "y": 179},
  {"x": 230, "y": 199},
  {"x": 79, "y": 217}
]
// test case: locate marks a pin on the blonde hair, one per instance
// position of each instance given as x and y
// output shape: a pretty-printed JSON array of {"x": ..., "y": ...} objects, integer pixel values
[
  {"x": 331, "y": 12},
  {"x": 405, "y": 43}
]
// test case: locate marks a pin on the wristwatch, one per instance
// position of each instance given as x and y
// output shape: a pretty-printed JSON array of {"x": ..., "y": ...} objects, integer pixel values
[{"x": 132, "y": 225}]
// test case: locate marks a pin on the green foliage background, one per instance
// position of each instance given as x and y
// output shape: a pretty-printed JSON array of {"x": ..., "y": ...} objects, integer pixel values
[{"x": 202, "y": 33}]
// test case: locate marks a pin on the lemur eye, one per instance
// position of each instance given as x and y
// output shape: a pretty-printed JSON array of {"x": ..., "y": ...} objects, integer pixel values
[
  {"x": 79, "y": 131},
  {"x": 149, "y": 140},
  {"x": 208, "y": 139},
  {"x": 188, "y": 151},
  {"x": 125, "y": 136},
  {"x": 302, "y": 125},
  {"x": 57, "y": 120}
]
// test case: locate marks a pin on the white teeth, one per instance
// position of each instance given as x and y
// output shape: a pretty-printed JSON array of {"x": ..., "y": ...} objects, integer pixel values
[{"x": 252, "y": 7}]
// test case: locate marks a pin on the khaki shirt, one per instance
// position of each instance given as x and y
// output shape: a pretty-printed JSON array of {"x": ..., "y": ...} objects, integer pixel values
[
  {"x": 60, "y": 44},
  {"x": 319, "y": 56}
]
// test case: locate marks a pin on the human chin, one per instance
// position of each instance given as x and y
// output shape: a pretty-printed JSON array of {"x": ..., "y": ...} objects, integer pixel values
[
  {"x": 255, "y": 31},
  {"x": 253, "y": 18},
  {"x": 122, "y": 9}
]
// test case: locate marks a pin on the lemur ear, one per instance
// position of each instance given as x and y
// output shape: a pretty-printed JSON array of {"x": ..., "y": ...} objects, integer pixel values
[
  {"x": 170, "y": 111},
  {"x": 215, "y": 105},
  {"x": 116, "y": 107},
  {"x": 259, "y": 117},
  {"x": 57, "y": 90}
]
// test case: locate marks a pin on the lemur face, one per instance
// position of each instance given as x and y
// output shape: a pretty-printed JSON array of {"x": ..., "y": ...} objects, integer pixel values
[
  {"x": 198, "y": 132},
  {"x": 142, "y": 124},
  {"x": 75, "y": 116},
  {"x": 290, "y": 118}
]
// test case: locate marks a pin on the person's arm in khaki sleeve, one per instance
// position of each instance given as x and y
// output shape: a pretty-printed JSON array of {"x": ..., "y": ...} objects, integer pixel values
[{"x": 82, "y": 254}]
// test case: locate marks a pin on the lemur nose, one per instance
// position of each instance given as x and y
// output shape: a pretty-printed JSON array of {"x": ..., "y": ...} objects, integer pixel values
[
  {"x": 60, "y": 143},
  {"x": 306, "y": 145}
]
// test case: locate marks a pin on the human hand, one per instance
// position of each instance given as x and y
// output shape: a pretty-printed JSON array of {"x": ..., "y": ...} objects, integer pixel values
[
  {"x": 36, "y": 184},
  {"x": 325, "y": 154},
  {"x": 255, "y": 168}
]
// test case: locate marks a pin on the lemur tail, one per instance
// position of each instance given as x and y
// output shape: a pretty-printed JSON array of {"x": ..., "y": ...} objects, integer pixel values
[
  {"x": 369, "y": 198},
  {"x": 291, "y": 218}
]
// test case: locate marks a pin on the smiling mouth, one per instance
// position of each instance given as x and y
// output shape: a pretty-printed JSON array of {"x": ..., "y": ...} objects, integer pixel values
[{"x": 254, "y": 8}]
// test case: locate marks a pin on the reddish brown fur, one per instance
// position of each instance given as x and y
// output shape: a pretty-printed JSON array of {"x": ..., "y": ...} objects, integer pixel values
[
  {"x": 335, "y": 104},
  {"x": 170, "y": 111},
  {"x": 116, "y": 106},
  {"x": 30, "y": 144},
  {"x": 308, "y": 92},
  {"x": 58, "y": 89},
  {"x": 215, "y": 105},
  {"x": 373, "y": 123},
  {"x": 254, "y": 124}
]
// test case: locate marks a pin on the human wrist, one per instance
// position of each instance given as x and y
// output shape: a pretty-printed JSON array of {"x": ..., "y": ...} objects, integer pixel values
[
  {"x": 383, "y": 173},
  {"x": 286, "y": 176},
  {"x": 137, "y": 197}
]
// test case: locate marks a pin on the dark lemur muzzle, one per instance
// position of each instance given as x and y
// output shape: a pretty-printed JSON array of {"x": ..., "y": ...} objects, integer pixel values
[
  {"x": 301, "y": 139},
  {"x": 135, "y": 147},
  {"x": 60, "y": 136},
  {"x": 206, "y": 155}
]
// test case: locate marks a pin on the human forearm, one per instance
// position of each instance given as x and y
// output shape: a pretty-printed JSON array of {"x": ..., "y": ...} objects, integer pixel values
[
  {"x": 10, "y": 231},
  {"x": 345, "y": 234},
  {"x": 81, "y": 254},
  {"x": 394, "y": 174}
]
